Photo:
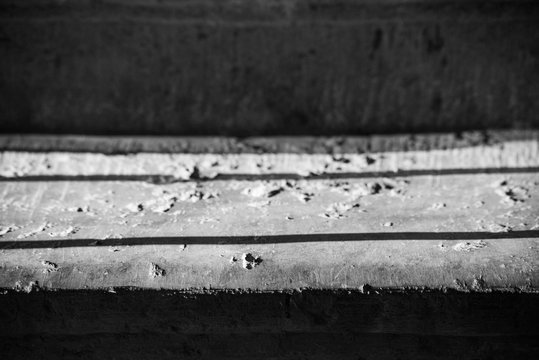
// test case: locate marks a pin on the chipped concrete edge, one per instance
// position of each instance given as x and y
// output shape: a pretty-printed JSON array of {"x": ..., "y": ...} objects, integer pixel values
[
  {"x": 34, "y": 286},
  {"x": 271, "y": 144}
]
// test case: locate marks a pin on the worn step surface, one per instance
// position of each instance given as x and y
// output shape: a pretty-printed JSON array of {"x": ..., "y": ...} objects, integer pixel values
[
  {"x": 411, "y": 247},
  {"x": 464, "y": 217}
]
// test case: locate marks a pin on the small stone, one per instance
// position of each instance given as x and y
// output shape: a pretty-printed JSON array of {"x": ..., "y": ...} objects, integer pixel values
[
  {"x": 499, "y": 228},
  {"x": 7, "y": 229},
  {"x": 50, "y": 266},
  {"x": 263, "y": 190},
  {"x": 63, "y": 233},
  {"x": 135, "y": 207},
  {"x": 468, "y": 246},
  {"x": 437, "y": 206},
  {"x": 338, "y": 210},
  {"x": 249, "y": 261},
  {"x": 479, "y": 284},
  {"x": 156, "y": 271}
]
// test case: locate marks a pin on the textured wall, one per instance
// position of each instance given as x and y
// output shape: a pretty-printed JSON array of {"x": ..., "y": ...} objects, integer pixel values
[
  {"x": 341, "y": 324},
  {"x": 250, "y": 67}
]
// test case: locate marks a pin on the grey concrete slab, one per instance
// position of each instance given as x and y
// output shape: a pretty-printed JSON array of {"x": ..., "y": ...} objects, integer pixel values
[{"x": 458, "y": 231}]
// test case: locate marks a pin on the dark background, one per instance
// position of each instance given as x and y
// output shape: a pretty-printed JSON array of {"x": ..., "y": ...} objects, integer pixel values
[{"x": 249, "y": 67}]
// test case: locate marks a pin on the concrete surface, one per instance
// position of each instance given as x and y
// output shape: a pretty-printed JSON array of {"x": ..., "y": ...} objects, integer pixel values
[
  {"x": 112, "y": 145},
  {"x": 256, "y": 68},
  {"x": 165, "y": 160},
  {"x": 464, "y": 217},
  {"x": 411, "y": 247},
  {"x": 420, "y": 233}
]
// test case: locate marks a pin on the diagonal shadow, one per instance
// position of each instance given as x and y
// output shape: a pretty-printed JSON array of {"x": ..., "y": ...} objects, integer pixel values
[
  {"x": 166, "y": 179},
  {"x": 266, "y": 239}
]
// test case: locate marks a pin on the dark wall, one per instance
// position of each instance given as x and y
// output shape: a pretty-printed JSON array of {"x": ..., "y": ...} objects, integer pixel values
[
  {"x": 310, "y": 324},
  {"x": 253, "y": 67}
]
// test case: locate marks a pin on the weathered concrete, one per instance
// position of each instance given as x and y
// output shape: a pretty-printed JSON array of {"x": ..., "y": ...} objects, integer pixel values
[
  {"x": 453, "y": 231},
  {"x": 252, "y": 67},
  {"x": 463, "y": 218},
  {"x": 205, "y": 159},
  {"x": 385, "y": 247},
  {"x": 112, "y": 145}
]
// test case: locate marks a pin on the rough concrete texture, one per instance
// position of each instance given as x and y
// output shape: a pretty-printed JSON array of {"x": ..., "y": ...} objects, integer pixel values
[
  {"x": 410, "y": 247},
  {"x": 255, "y": 67},
  {"x": 73, "y": 220},
  {"x": 112, "y": 145},
  {"x": 204, "y": 159},
  {"x": 273, "y": 235}
]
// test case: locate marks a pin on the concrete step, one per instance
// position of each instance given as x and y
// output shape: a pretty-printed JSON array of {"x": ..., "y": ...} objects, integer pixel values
[
  {"x": 462, "y": 218},
  {"x": 421, "y": 247}
]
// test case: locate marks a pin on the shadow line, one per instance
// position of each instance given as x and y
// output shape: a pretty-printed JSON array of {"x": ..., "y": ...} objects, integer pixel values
[
  {"x": 166, "y": 179},
  {"x": 266, "y": 239}
]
